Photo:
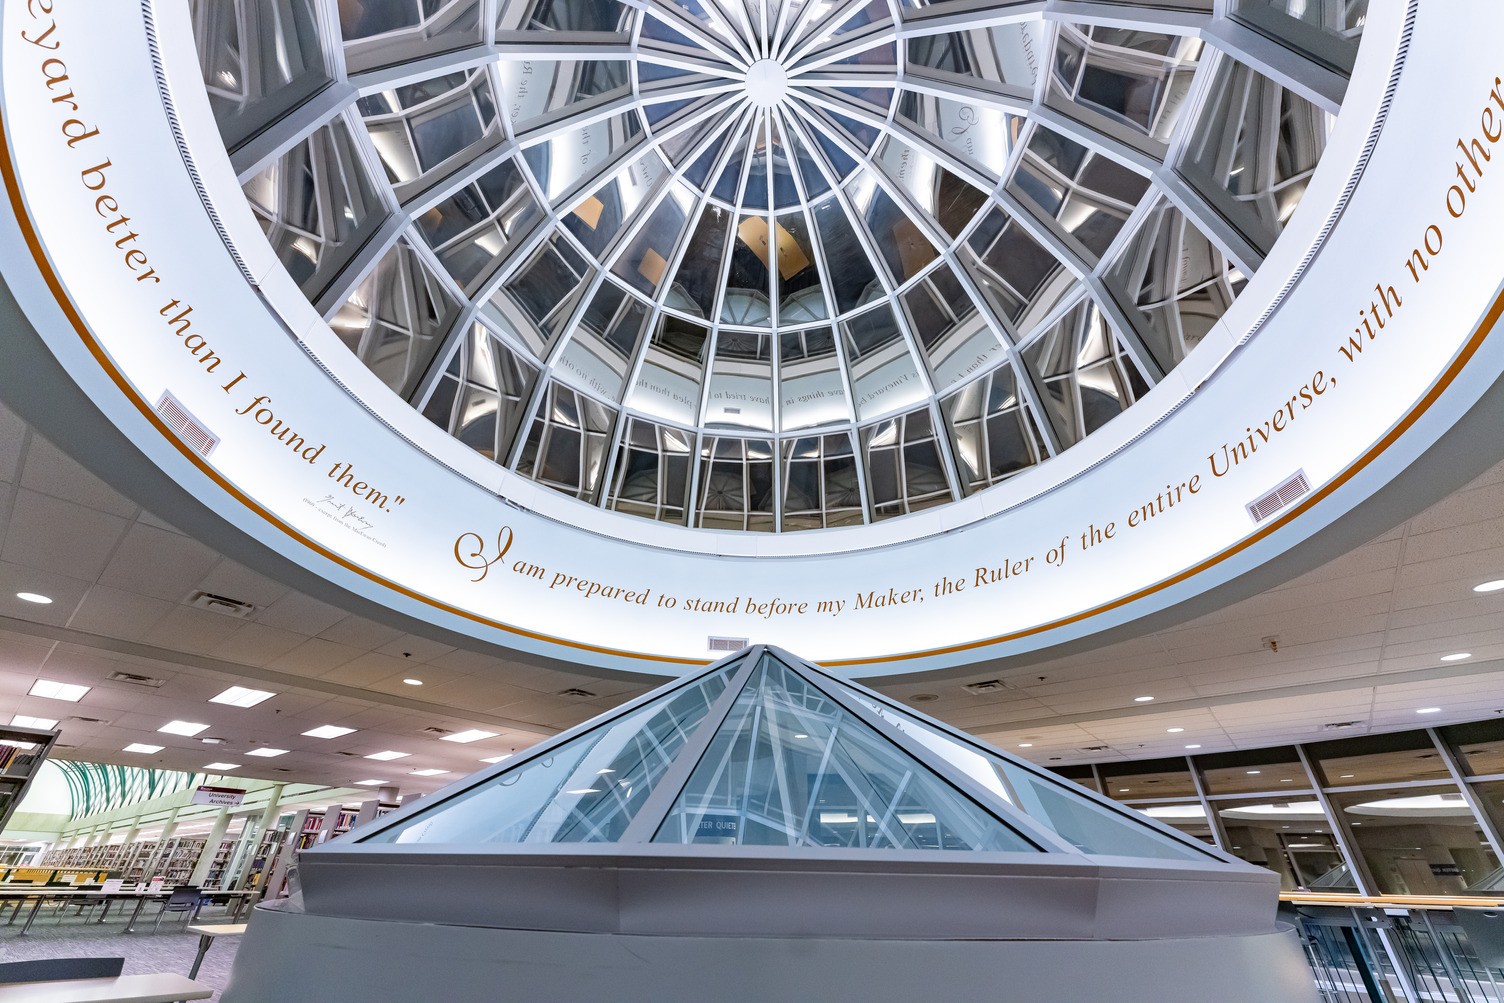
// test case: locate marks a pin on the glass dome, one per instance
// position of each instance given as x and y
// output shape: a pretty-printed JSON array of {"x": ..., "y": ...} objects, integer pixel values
[{"x": 770, "y": 266}]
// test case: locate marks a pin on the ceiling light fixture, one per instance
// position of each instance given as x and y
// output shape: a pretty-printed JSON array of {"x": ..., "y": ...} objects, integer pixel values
[
  {"x": 221, "y": 767},
  {"x": 242, "y": 696},
  {"x": 185, "y": 728},
  {"x": 428, "y": 773},
  {"x": 1026, "y": 745},
  {"x": 413, "y": 682},
  {"x": 1254, "y": 773},
  {"x": 465, "y": 737},
  {"x": 1174, "y": 731},
  {"x": 141, "y": 747},
  {"x": 70, "y": 692},
  {"x": 267, "y": 753},
  {"x": 1193, "y": 746},
  {"x": 328, "y": 731},
  {"x": 388, "y": 755},
  {"x": 1428, "y": 710},
  {"x": 25, "y": 721},
  {"x": 370, "y": 783},
  {"x": 497, "y": 759},
  {"x": 1493, "y": 586},
  {"x": 1457, "y": 657},
  {"x": 1142, "y": 699},
  {"x": 35, "y": 597}
]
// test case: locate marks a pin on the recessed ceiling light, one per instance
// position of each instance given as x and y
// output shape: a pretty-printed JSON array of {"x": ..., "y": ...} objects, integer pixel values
[
  {"x": 329, "y": 731},
  {"x": 1026, "y": 745},
  {"x": 24, "y": 721},
  {"x": 1174, "y": 731},
  {"x": 1429, "y": 710},
  {"x": 1493, "y": 586},
  {"x": 139, "y": 747},
  {"x": 1142, "y": 699},
  {"x": 413, "y": 682},
  {"x": 1347, "y": 776},
  {"x": 188, "y": 728},
  {"x": 497, "y": 759},
  {"x": 1254, "y": 773},
  {"x": 388, "y": 754},
  {"x": 1193, "y": 746},
  {"x": 473, "y": 735},
  {"x": 1457, "y": 657},
  {"x": 1124, "y": 790},
  {"x": 428, "y": 773},
  {"x": 268, "y": 753},
  {"x": 584, "y": 790},
  {"x": 221, "y": 767},
  {"x": 35, "y": 597},
  {"x": 241, "y": 696},
  {"x": 1287, "y": 780},
  {"x": 370, "y": 783},
  {"x": 70, "y": 692}
]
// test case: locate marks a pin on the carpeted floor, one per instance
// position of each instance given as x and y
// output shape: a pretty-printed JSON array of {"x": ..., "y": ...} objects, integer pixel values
[{"x": 169, "y": 950}]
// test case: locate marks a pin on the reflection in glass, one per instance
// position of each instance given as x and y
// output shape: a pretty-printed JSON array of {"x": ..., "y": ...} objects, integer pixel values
[
  {"x": 812, "y": 390},
  {"x": 260, "y": 59},
  {"x": 698, "y": 279},
  {"x": 1326, "y": 30},
  {"x": 471, "y": 230},
  {"x": 992, "y": 434},
  {"x": 538, "y": 90},
  {"x": 600, "y": 351},
  {"x": 820, "y": 483},
  {"x": 852, "y": 279},
  {"x": 741, "y": 381},
  {"x": 316, "y": 206},
  {"x": 791, "y": 767},
  {"x": 482, "y": 395},
  {"x": 1479, "y": 747},
  {"x": 584, "y": 791},
  {"x": 385, "y": 32},
  {"x": 949, "y": 201},
  {"x": 1007, "y": 54},
  {"x": 981, "y": 134},
  {"x": 1418, "y": 840},
  {"x": 736, "y": 484},
  {"x": 566, "y": 446},
  {"x": 539, "y": 300},
  {"x": 1179, "y": 281},
  {"x": 900, "y": 243},
  {"x": 668, "y": 384},
  {"x": 599, "y": 217},
  {"x": 904, "y": 470},
  {"x": 577, "y": 154},
  {"x": 1085, "y": 377},
  {"x": 416, "y": 127},
  {"x": 884, "y": 376},
  {"x": 396, "y": 317},
  {"x": 748, "y": 279},
  {"x": 1134, "y": 78},
  {"x": 1090, "y": 196},
  {"x": 1021, "y": 280},
  {"x": 1256, "y": 153},
  {"x": 801, "y": 294},
  {"x": 1292, "y": 837},
  {"x": 1276, "y": 769},
  {"x": 561, "y": 15},
  {"x": 644, "y": 260},
  {"x": 954, "y": 338},
  {"x": 1379, "y": 759},
  {"x": 1147, "y": 778},
  {"x": 652, "y": 472}
]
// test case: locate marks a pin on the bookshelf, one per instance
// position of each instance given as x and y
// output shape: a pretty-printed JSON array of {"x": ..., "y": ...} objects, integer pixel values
[{"x": 22, "y": 752}]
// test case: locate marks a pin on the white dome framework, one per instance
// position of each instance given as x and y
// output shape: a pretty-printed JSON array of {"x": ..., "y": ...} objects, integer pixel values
[{"x": 773, "y": 266}]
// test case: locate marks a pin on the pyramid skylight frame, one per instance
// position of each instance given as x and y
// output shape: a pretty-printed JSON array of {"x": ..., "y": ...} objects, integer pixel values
[{"x": 966, "y": 787}]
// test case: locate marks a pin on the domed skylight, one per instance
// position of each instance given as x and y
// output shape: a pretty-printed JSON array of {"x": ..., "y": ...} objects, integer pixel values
[{"x": 772, "y": 266}]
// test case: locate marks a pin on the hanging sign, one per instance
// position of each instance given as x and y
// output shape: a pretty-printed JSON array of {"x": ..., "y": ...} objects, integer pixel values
[{"x": 222, "y": 797}]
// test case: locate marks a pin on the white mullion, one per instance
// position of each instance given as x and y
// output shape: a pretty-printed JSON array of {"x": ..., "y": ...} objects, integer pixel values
[
  {"x": 1003, "y": 97},
  {"x": 729, "y": 50},
  {"x": 812, "y": 55},
  {"x": 978, "y": 14}
]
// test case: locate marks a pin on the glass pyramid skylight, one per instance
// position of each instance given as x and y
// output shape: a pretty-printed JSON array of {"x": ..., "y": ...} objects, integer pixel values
[{"x": 764, "y": 749}]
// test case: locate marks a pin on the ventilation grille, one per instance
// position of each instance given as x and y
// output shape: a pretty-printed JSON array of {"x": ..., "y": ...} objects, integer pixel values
[
  {"x": 187, "y": 427},
  {"x": 986, "y": 686},
  {"x": 134, "y": 679},
  {"x": 438, "y": 731},
  {"x": 726, "y": 643},
  {"x": 1342, "y": 725},
  {"x": 221, "y": 604},
  {"x": 1286, "y": 492},
  {"x": 575, "y": 693}
]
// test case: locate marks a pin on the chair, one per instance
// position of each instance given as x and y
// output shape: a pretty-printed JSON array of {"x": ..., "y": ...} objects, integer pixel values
[
  {"x": 58, "y": 969},
  {"x": 184, "y": 899}
]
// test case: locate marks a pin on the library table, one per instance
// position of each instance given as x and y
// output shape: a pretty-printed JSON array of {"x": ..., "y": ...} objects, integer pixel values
[
  {"x": 162, "y": 988},
  {"x": 206, "y": 934},
  {"x": 68, "y": 894}
]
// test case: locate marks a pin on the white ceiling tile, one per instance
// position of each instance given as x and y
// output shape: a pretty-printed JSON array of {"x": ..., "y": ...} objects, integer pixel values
[
  {"x": 60, "y": 536},
  {"x": 50, "y": 471}
]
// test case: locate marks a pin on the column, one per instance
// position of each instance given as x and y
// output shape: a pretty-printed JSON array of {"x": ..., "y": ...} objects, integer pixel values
[
  {"x": 130, "y": 834},
  {"x": 211, "y": 848},
  {"x": 168, "y": 828}
]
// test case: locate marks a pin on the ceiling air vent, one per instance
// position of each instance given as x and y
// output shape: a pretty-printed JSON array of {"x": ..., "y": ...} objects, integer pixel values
[
  {"x": 727, "y": 643},
  {"x": 575, "y": 693},
  {"x": 89, "y": 720},
  {"x": 438, "y": 731},
  {"x": 136, "y": 680},
  {"x": 1283, "y": 494},
  {"x": 1342, "y": 725},
  {"x": 986, "y": 686},
  {"x": 185, "y": 426},
  {"x": 221, "y": 604},
  {"x": 1095, "y": 748}
]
